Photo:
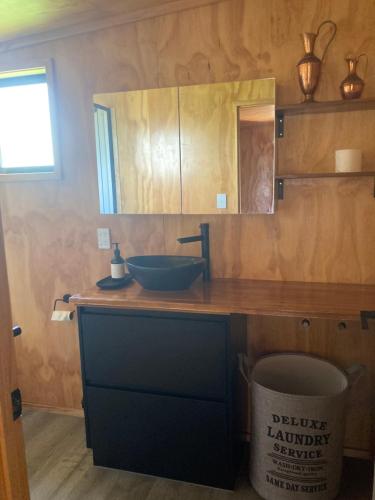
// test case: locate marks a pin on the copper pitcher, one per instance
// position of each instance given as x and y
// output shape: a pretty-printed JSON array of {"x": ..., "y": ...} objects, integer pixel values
[
  {"x": 352, "y": 86},
  {"x": 310, "y": 65}
]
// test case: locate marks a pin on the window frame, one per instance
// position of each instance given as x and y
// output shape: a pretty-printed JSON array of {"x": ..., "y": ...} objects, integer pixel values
[{"x": 23, "y": 174}]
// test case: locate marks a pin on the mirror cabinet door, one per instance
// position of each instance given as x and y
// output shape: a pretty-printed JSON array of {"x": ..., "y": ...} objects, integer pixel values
[
  {"x": 208, "y": 148},
  {"x": 145, "y": 151},
  {"x": 211, "y": 142}
]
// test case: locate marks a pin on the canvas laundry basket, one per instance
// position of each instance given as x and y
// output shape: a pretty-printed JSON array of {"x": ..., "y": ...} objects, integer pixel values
[{"x": 297, "y": 431}]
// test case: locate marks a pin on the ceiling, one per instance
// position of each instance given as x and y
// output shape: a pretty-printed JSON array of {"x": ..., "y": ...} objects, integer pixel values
[{"x": 19, "y": 18}]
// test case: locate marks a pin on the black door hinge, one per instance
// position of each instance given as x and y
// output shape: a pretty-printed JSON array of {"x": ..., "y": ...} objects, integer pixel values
[
  {"x": 17, "y": 330},
  {"x": 16, "y": 403}
]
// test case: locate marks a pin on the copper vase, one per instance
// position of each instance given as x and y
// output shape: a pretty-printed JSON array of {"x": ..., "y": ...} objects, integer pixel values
[
  {"x": 352, "y": 86},
  {"x": 309, "y": 67}
]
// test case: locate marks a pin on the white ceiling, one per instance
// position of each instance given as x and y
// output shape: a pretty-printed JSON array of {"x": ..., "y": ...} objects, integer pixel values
[{"x": 20, "y": 18}]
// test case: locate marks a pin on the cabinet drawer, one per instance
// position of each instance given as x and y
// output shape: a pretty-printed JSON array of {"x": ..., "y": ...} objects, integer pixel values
[
  {"x": 167, "y": 436},
  {"x": 168, "y": 355}
]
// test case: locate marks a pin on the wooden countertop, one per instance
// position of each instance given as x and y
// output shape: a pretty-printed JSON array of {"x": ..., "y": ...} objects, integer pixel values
[{"x": 225, "y": 296}]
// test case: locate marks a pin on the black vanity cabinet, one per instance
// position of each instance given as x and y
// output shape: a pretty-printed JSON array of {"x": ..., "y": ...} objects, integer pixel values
[{"x": 158, "y": 394}]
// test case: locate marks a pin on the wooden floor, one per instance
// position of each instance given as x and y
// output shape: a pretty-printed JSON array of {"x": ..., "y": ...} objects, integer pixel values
[{"x": 60, "y": 468}]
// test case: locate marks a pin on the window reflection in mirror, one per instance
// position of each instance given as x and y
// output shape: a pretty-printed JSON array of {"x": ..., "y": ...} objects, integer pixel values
[
  {"x": 256, "y": 137},
  {"x": 105, "y": 159}
]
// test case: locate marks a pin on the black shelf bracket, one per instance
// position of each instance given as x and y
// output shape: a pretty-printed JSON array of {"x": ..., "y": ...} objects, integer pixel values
[
  {"x": 279, "y": 124},
  {"x": 280, "y": 189},
  {"x": 365, "y": 316}
]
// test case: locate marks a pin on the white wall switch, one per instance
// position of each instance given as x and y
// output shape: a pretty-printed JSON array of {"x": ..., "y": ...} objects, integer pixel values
[
  {"x": 104, "y": 238},
  {"x": 221, "y": 200}
]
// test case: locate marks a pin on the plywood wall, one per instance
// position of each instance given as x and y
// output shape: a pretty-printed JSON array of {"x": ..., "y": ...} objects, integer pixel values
[{"x": 323, "y": 231}]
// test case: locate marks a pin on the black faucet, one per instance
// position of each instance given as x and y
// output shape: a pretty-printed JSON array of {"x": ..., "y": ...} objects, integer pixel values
[{"x": 204, "y": 238}]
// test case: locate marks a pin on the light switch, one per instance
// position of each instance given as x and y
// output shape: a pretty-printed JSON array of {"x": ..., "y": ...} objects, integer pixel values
[
  {"x": 221, "y": 200},
  {"x": 104, "y": 238}
]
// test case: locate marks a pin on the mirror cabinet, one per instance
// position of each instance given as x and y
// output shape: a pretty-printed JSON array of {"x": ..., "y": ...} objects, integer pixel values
[{"x": 199, "y": 149}]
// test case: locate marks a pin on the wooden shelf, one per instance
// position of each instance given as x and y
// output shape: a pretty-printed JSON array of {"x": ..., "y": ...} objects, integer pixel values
[
  {"x": 315, "y": 108},
  {"x": 317, "y": 175},
  {"x": 326, "y": 107}
]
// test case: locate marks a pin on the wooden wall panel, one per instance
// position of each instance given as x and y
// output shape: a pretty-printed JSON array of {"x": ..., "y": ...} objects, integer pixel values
[
  {"x": 310, "y": 141},
  {"x": 324, "y": 230}
]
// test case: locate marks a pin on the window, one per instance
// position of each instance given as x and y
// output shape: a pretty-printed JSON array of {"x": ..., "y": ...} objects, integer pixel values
[{"x": 26, "y": 133}]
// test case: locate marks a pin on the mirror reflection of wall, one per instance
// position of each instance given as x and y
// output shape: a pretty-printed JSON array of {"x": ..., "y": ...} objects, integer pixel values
[{"x": 257, "y": 158}]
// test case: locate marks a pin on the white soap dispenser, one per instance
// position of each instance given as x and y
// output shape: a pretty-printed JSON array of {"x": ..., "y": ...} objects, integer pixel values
[{"x": 117, "y": 264}]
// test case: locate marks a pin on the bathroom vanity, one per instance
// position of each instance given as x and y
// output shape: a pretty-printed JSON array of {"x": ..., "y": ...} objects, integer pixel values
[
  {"x": 159, "y": 369},
  {"x": 158, "y": 392}
]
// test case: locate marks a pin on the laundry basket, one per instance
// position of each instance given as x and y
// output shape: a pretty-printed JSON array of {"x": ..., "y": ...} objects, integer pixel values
[{"x": 298, "y": 416}]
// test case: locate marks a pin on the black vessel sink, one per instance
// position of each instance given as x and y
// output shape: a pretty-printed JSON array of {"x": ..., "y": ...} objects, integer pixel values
[{"x": 165, "y": 272}]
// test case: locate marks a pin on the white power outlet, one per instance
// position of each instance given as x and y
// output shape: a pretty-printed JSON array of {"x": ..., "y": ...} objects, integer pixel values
[
  {"x": 221, "y": 200},
  {"x": 104, "y": 238}
]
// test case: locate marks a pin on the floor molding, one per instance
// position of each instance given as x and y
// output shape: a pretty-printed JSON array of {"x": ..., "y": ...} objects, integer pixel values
[{"x": 73, "y": 412}]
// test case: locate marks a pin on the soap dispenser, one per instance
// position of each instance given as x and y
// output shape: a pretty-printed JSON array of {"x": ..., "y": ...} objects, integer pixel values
[{"x": 117, "y": 264}]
